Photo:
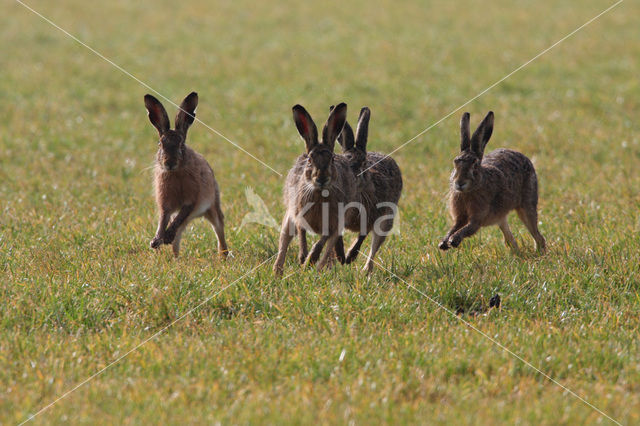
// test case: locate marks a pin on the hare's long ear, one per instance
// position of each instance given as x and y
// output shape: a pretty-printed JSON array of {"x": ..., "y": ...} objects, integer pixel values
[
  {"x": 465, "y": 139},
  {"x": 157, "y": 114},
  {"x": 362, "y": 131},
  {"x": 334, "y": 125},
  {"x": 187, "y": 113},
  {"x": 482, "y": 134},
  {"x": 306, "y": 127},
  {"x": 346, "y": 138}
]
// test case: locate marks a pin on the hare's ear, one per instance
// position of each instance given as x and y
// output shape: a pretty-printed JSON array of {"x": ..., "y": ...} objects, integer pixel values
[
  {"x": 346, "y": 139},
  {"x": 465, "y": 139},
  {"x": 187, "y": 113},
  {"x": 157, "y": 114},
  {"x": 482, "y": 134},
  {"x": 306, "y": 127},
  {"x": 334, "y": 125},
  {"x": 362, "y": 131}
]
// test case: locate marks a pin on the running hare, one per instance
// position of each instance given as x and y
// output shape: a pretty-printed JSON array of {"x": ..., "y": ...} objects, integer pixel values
[
  {"x": 185, "y": 186},
  {"x": 317, "y": 188},
  {"x": 484, "y": 190},
  {"x": 378, "y": 188}
]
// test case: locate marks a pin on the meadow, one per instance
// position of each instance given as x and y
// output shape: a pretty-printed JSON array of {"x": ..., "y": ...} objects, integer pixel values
[{"x": 208, "y": 340}]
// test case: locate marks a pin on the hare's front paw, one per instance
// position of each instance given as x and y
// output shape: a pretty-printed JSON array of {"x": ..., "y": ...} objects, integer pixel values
[
  {"x": 156, "y": 242},
  {"x": 312, "y": 257},
  {"x": 169, "y": 235},
  {"x": 455, "y": 241},
  {"x": 444, "y": 245},
  {"x": 351, "y": 256}
]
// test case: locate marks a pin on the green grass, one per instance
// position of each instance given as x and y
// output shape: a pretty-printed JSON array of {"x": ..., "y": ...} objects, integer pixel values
[{"x": 80, "y": 287}]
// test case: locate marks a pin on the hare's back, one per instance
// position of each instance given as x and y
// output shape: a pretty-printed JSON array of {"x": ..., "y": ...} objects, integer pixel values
[
  {"x": 513, "y": 164},
  {"x": 199, "y": 163},
  {"x": 386, "y": 176}
]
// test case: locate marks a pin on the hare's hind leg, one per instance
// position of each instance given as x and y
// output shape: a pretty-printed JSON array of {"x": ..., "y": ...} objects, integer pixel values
[
  {"x": 508, "y": 236},
  {"x": 529, "y": 216},
  {"x": 286, "y": 235},
  {"x": 376, "y": 242},
  {"x": 215, "y": 216},
  {"x": 379, "y": 235},
  {"x": 528, "y": 211},
  {"x": 175, "y": 244}
]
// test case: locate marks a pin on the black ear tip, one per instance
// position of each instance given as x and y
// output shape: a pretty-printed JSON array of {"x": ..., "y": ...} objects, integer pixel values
[
  {"x": 191, "y": 97},
  {"x": 340, "y": 110},
  {"x": 466, "y": 115},
  {"x": 365, "y": 110},
  {"x": 341, "y": 105},
  {"x": 297, "y": 107},
  {"x": 490, "y": 114}
]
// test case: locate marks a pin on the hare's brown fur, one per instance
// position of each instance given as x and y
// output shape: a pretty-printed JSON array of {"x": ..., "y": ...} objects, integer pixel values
[
  {"x": 316, "y": 188},
  {"x": 483, "y": 190},
  {"x": 378, "y": 188},
  {"x": 184, "y": 183}
]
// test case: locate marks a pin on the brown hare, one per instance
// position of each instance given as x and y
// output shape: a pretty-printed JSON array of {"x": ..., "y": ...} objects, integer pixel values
[
  {"x": 378, "y": 188},
  {"x": 318, "y": 186},
  {"x": 185, "y": 186},
  {"x": 484, "y": 190}
]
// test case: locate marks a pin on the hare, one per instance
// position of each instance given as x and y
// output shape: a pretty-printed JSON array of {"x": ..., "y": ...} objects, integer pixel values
[
  {"x": 317, "y": 187},
  {"x": 378, "y": 188},
  {"x": 185, "y": 186},
  {"x": 484, "y": 190}
]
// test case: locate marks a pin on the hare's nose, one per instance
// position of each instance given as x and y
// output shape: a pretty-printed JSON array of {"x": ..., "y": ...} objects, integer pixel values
[{"x": 322, "y": 180}]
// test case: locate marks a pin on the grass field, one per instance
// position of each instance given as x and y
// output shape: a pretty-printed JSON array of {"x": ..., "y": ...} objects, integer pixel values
[{"x": 80, "y": 286}]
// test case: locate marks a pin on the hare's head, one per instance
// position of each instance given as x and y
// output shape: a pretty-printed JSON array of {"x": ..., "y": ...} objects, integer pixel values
[
  {"x": 320, "y": 169},
  {"x": 466, "y": 166},
  {"x": 172, "y": 142}
]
